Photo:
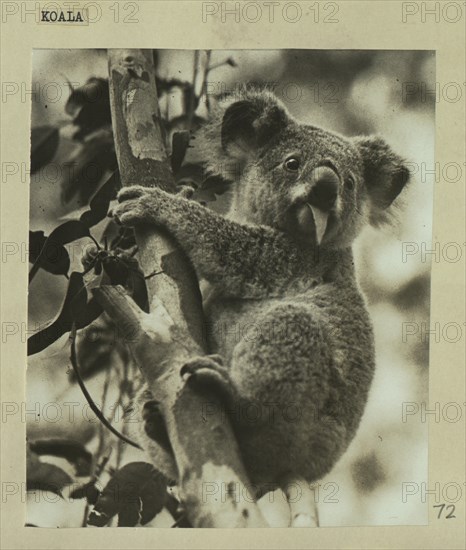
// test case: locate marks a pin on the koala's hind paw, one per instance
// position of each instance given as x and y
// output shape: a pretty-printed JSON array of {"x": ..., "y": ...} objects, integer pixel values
[{"x": 208, "y": 372}]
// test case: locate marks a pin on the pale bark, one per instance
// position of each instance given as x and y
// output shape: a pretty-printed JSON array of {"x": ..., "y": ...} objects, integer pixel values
[{"x": 212, "y": 479}]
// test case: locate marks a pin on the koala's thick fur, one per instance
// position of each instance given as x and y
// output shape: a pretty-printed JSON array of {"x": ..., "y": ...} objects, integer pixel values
[{"x": 284, "y": 307}]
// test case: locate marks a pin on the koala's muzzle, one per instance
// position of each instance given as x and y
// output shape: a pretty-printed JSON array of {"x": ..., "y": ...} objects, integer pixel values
[
  {"x": 317, "y": 198},
  {"x": 324, "y": 184}
]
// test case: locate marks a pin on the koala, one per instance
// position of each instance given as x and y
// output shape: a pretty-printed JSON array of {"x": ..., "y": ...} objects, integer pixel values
[{"x": 291, "y": 342}]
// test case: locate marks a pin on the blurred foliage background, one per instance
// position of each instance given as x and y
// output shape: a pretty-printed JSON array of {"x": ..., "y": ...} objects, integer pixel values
[{"x": 351, "y": 92}]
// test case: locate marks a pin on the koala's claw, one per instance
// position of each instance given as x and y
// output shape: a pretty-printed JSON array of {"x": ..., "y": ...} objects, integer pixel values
[
  {"x": 132, "y": 192},
  {"x": 208, "y": 372},
  {"x": 128, "y": 212},
  {"x": 216, "y": 358},
  {"x": 185, "y": 191}
]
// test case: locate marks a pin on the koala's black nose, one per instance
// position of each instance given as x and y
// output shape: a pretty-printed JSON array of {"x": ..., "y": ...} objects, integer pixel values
[{"x": 325, "y": 183}]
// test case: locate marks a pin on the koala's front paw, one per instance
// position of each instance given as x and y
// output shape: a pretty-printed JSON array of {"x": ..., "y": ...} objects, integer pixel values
[
  {"x": 133, "y": 192},
  {"x": 137, "y": 205}
]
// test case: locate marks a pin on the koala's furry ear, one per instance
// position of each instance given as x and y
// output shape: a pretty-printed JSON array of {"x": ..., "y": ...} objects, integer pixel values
[
  {"x": 385, "y": 176},
  {"x": 250, "y": 123}
]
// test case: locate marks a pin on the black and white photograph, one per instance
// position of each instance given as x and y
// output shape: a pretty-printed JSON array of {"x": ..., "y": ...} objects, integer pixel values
[
  {"x": 228, "y": 302},
  {"x": 232, "y": 274}
]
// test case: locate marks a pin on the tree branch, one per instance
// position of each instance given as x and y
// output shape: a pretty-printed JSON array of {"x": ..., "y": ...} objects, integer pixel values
[{"x": 212, "y": 479}]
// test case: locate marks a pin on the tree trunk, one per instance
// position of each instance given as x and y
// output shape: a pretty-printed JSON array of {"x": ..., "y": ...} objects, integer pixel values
[{"x": 212, "y": 480}]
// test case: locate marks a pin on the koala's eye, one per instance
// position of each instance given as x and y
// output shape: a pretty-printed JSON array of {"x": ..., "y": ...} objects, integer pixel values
[
  {"x": 292, "y": 164},
  {"x": 349, "y": 183}
]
